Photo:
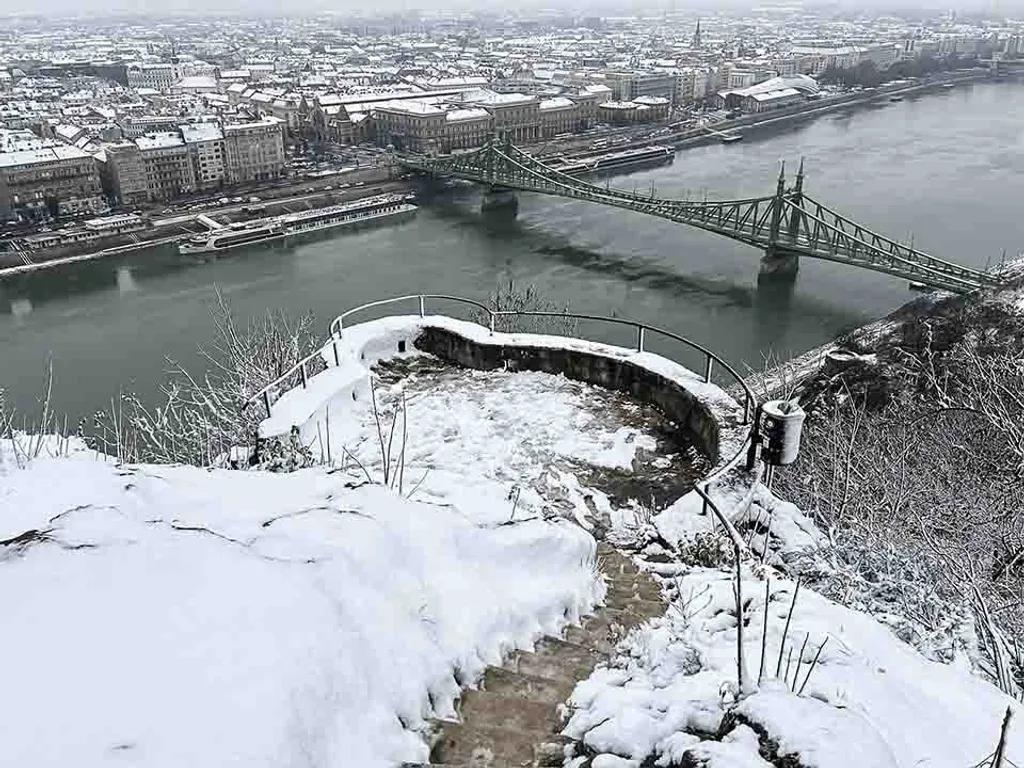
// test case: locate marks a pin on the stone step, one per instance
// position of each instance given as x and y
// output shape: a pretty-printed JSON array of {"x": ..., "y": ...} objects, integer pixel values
[
  {"x": 637, "y": 605},
  {"x": 512, "y": 684},
  {"x": 645, "y": 589},
  {"x": 618, "y": 567},
  {"x": 601, "y": 641},
  {"x": 627, "y": 619},
  {"x": 487, "y": 708},
  {"x": 603, "y": 630},
  {"x": 557, "y": 660},
  {"x": 495, "y": 747}
]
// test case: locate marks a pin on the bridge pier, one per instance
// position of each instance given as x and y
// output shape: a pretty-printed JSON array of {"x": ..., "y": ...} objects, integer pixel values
[
  {"x": 778, "y": 265},
  {"x": 497, "y": 198}
]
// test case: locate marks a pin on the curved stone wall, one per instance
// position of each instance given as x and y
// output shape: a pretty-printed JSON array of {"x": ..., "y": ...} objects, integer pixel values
[{"x": 693, "y": 417}]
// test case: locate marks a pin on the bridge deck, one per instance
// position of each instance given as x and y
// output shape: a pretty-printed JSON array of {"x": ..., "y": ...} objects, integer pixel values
[{"x": 786, "y": 222}]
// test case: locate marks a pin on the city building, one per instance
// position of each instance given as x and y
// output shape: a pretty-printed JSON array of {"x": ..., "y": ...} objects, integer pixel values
[
  {"x": 167, "y": 165},
  {"x": 160, "y": 76},
  {"x": 254, "y": 151},
  {"x": 559, "y": 115},
  {"x": 516, "y": 115},
  {"x": 642, "y": 110},
  {"x": 627, "y": 86},
  {"x": 205, "y": 144},
  {"x": 48, "y": 181},
  {"x": 124, "y": 174},
  {"x": 775, "y": 93}
]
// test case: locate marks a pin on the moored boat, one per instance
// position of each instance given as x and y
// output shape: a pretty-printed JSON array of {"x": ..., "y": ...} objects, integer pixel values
[{"x": 369, "y": 210}]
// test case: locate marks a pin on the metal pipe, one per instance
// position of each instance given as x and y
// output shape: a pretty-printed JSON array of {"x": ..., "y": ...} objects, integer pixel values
[
  {"x": 707, "y": 369},
  {"x": 266, "y": 401},
  {"x": 639, "y": 338},
  {"x": 490, "y": 316},
  {"x": 421, "y": 305},
  {"x": 337, "y": 361},
  {"x": 302, "y": 368}
]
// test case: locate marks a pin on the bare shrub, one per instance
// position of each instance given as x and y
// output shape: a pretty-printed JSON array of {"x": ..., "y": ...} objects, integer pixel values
[
  {"x": 515, "y": 298},
  {"x": 709, "y": 549},
  {"x": 200, "y": 419},
  {"x": 31, "y": 436},
  {"x": 920, "y": 493}
]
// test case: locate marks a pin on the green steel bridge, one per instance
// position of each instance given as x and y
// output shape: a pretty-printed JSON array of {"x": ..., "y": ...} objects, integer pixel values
[{"x": 785, "y": 225}]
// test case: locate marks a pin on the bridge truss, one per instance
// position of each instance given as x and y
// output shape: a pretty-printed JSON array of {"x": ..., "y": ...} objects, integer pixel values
[{"x": 785, "y": 223}]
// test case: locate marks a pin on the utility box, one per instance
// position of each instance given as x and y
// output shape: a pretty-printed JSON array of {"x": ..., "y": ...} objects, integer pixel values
[{"x": 782, "y": 421}]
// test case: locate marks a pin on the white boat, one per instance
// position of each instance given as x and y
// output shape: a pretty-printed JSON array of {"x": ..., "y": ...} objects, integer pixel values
[
  {"x": 226, "y": 238},
  {"x": 369, "y": 210}
]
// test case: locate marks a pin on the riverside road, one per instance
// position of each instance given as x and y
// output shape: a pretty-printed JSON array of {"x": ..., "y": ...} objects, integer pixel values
[{"x": 943, "y": 170}]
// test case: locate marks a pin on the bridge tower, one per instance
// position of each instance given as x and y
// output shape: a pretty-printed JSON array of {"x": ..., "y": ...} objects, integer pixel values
[
  {"x": 778, "y": 262},
  {"x": 496, "y": 197}
]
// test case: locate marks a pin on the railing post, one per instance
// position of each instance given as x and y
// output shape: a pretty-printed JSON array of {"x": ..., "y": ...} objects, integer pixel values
[
  {"x": 266, "y": 401},
  {"x": 337, "y": 360},
  {"x": 707, "y": 369},
  {"x": 302, "y": 369},
  {"x": 639, "y": 338},
  {"x": 490, "y": 321},
  {"x": 421, "y": 305}
]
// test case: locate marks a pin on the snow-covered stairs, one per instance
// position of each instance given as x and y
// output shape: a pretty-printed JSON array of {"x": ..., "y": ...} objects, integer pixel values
[{"x": 513, "y": 720}]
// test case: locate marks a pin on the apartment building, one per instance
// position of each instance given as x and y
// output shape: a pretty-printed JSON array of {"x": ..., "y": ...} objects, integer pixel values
[
  {"x": 627, "y": 86},
  {"x": 167, "y": 165},
  {"x": 47, "y": 181},
  {"x": 254, "y": 151},
  {"x": 816, "y": 59},
  {"x": 205, "y": 144},
  {"x": 123, "y": 173}
]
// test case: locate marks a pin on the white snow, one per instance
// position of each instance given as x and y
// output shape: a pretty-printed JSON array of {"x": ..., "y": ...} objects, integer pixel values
[
  {"x": 871, "y": 700},
  {"x": 170, "y": 616},
  {"x": 362, "y": 345}
]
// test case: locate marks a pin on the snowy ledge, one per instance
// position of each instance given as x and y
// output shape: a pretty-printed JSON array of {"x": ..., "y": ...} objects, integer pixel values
[{"x": 702, "y": 409}]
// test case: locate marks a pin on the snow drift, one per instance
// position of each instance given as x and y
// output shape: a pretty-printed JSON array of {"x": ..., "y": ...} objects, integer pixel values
[{"x": 170, "y": 616}]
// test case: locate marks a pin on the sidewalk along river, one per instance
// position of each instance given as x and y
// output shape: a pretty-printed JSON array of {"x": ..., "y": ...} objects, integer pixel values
[{"x": 945, "y": 168}]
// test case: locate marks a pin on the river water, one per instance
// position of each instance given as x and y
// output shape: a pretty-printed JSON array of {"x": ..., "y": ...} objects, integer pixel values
[{"x": 944, "y": 168}]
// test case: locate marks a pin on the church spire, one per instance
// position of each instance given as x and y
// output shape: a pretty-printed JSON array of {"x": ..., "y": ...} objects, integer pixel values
[{"x": 696, "y": 37}]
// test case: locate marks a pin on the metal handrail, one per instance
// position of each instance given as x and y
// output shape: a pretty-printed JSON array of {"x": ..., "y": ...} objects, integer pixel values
[{"x": 337, "y": 325}]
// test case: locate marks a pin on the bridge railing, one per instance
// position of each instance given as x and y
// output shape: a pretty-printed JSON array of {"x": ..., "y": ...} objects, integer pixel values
[{"x": 642, "y": 335}]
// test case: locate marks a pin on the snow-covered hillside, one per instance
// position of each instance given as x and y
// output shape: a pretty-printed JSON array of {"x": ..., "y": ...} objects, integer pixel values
[
  {"x": 838, "y": 689},
  {"x": 171, "y": 616}
]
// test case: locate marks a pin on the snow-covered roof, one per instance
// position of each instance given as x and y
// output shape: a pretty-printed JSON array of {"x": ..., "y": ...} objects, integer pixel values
[
  {"x": 196, "y": 132},
  {"x": 559, "y": 102},
  {"x": 196, "y": 82},
  {"x": 462, "y": 115},
  {"x": 164, "y": 140},
  {"x": 782, "y": 93},
  {"x": 505, "y": 99},
  {"x": 41, "y": 155},
  {"x": 801, "y": 83}
]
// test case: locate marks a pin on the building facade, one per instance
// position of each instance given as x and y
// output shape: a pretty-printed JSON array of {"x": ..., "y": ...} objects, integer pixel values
[
  {"x": 254, "y": 151},
  {"x": 205, "y": 143},
  {"x": 124, "y": 175},
  {"x": 167, "y": 165},
  {"x": 50, "y": 181}
]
